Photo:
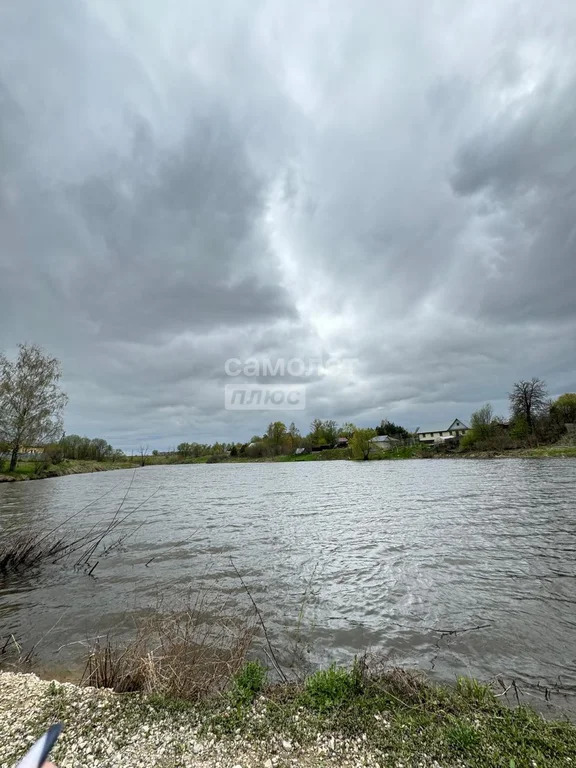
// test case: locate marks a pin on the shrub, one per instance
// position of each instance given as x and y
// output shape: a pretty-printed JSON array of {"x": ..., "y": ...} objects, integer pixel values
[
  {"x": 176, "y": 654},
  {"x": 249, "y": 681},
  {"x": 54, "y": 453},
  {"x": 216, "y": 458},
  {"x": 332, "y": 687}
]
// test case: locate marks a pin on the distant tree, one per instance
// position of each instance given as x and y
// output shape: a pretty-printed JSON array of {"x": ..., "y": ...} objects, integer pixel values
[
  {"x": 528, "y": 400},
  {"x": 347, "y": 429},
  {"x": 360, "y": 443},
  {"x": 143, "y": 451},
  {"x": 184, "y": 449},
  {"x": 233, "y": 451},
  {"x": 563, "y": 410},
  {"x": 99, "y": 449},
  {"x": 323, "y": 432},
  {"x": 294, "y": 438},
  {"x": 31, "y": 401},
  {"x": 316, "y": 432},
  {"x": 76, "y": 447},
  {"x": 486, "y": 431},
  {"x": 155, "y": 452},
  {"x": 276, "y": 435},
  {"x": 330, "y": 430},
  {"x": 481, "y": 422},
  {"x": 392, "y": 430}
]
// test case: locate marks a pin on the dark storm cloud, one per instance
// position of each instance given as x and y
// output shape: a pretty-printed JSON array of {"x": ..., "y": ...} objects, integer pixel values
[
  {"x": 376, "y": 181},
  {"x": 180, "y": 239},
  {"x": 523, "y": 169}
]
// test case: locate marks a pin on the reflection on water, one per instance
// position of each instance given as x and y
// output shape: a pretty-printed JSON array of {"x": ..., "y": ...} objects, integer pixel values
[{"x": 389, "y": 555}]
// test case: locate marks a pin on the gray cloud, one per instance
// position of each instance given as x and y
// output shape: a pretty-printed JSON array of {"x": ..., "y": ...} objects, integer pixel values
[
  {"x": 523, "y": 167},
  {"x": 372, "y": 181}
]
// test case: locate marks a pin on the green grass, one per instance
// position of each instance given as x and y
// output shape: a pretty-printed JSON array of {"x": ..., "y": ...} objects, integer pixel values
[
  {"x": 402, "y": 452},
  {"x": 552, "y": 451},
  {"x": 23, "y": 469},
  {"x": 248, "y": 682},
  {"x": 29, "y": 470},
  {"x": 328, "y": 689},
  {"x": 405, "y": 718}
]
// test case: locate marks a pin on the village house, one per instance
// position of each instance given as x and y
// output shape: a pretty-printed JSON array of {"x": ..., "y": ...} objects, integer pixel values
[{"x": 431, "y": 435}]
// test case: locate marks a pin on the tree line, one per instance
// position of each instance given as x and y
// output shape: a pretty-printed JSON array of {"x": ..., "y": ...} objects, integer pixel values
[
  {"x": 32, "y": 403},
  {"x": 280, "y": 439},
  {"x": 534, "y": 419}
]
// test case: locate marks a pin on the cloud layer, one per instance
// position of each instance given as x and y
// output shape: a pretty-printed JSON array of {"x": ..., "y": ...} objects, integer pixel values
[{"x": 383, "y": 182}]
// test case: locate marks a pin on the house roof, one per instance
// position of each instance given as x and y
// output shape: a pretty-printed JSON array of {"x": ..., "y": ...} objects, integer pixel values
[
  {"x": 444, "y": 428},
  {"x": 382, "y": 439},
  {"x": 460, "y": 422}
]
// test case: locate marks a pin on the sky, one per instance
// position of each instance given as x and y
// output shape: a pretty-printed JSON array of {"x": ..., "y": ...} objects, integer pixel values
[{"x": 374, "y": 200}]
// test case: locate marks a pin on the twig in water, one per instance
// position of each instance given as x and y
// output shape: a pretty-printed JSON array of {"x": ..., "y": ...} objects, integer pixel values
[
  {"x": 44, "y": 636},
  {"x": 274, "y": 659},
  {"x": 459, "y": 631}
]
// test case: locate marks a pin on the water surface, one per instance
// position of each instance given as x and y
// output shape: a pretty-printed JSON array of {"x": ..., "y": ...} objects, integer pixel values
[{"x": 378, "y": 555}]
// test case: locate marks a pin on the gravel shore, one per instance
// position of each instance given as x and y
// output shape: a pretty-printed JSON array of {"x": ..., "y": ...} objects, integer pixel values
[
  {"x": 106, "y": 729},
  {"x": 393, "y": 721}
]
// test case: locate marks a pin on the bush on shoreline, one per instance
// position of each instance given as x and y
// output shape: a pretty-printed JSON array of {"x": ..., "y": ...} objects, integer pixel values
[{"x": 183, "y": 654}]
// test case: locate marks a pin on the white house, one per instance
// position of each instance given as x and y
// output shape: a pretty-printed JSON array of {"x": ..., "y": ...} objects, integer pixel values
[{"x": 433, "y": 435}]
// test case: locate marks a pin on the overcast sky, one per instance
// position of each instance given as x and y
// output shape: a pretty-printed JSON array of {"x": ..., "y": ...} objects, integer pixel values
[{"x": 392, "y": 183}]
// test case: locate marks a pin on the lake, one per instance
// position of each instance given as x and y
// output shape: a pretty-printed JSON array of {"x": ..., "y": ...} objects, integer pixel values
[{"x": 384, "y": 556}]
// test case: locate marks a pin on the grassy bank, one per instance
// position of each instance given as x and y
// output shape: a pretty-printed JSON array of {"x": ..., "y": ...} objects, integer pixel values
[
  {"x": 336, "y": 717},
  {"x": 37, "y": 471}
]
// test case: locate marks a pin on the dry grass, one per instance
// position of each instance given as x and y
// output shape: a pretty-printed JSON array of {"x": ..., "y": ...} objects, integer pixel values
[{"x": 183, "y": 654}]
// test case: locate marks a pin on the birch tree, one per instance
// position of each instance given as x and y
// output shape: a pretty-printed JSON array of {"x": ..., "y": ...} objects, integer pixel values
[{"x": 31, "y": 401}]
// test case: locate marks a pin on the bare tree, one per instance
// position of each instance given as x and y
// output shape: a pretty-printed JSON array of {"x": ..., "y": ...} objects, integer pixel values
[
  {"x": 528, "y": 400},
  {"x": 143, "y": 454},
  {"x": 31, "y": 402}
]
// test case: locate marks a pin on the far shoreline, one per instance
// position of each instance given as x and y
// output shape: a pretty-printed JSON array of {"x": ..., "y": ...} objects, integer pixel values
[{"x": 31, "y": 471}]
